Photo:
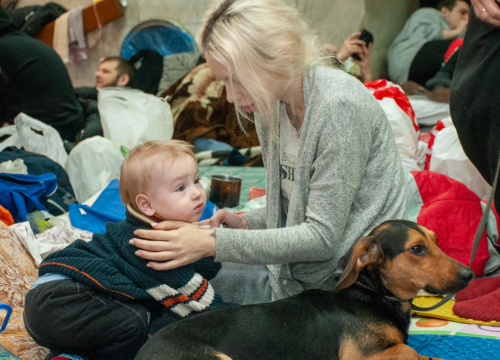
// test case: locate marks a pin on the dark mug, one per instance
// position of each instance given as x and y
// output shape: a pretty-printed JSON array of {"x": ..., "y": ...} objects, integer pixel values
[{"x": 225, "y": 191}]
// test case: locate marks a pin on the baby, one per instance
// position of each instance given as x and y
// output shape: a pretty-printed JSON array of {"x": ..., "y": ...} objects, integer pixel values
[{"x": 95, "y": 300}]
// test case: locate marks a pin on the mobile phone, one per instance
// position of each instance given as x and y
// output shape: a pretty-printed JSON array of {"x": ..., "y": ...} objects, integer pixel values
[{"x": 367, "y": 37}]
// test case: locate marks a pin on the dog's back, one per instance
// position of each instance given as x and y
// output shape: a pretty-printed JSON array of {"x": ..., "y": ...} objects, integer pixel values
[{"x": 367, "y": 317}]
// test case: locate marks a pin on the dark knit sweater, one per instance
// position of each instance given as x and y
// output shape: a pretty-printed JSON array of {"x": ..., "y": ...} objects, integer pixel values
[{"x": 108, "y": 264}]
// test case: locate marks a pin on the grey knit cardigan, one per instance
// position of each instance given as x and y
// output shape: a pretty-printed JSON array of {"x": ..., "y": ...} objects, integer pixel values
[{"x": 349, "y": 179}]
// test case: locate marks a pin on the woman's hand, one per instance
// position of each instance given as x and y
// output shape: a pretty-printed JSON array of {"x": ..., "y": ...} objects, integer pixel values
[
  {"x": 173, "y": 244},
  {"x": 491, "y": 11},
  {"x": 226, "y": 218}
]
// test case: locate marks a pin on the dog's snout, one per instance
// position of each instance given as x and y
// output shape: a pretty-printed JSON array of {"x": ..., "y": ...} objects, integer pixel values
[{"x": 466, "y": 274}]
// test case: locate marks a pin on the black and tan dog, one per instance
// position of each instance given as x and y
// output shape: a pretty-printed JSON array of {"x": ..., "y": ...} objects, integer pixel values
[{"x": 366, "y": 317}]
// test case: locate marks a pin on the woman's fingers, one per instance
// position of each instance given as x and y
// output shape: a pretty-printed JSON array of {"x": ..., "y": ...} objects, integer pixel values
[
  {"x": 168, "y": 225},
  {"x": 162, "y": 243},
  {"x": 491, "y": 12},
  {"x": 163, "y": 266},
  {"x": 159, "y": 256}
]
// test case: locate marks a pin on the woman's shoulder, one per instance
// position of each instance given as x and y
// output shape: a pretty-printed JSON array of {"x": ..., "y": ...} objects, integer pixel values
[{"x": 335, "y": 85}]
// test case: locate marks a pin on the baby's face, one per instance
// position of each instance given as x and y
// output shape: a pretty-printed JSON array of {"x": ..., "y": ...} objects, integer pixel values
[{"x": 176, "y": 192}]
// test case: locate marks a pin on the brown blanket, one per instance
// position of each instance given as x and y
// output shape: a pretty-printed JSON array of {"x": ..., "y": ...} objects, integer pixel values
[
  {"x": 18, "y": 272},
  {"x": 200, "y": 110}
]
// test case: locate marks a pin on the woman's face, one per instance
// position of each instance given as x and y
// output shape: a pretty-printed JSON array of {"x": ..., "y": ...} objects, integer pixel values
[{"x": 220, "y": 71}]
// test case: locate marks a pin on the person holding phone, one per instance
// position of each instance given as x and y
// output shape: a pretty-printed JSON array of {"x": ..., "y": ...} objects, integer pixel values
[{"x": 355, "y": 50}]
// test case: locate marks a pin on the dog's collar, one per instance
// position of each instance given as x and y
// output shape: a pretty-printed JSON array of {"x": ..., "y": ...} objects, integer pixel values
[
  {"x": 413, "y": 306},
  {"x": 390, "y": 298}
]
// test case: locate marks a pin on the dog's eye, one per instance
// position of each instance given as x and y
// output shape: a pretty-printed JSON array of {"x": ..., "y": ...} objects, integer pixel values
[{"x": 417, "y": 250}]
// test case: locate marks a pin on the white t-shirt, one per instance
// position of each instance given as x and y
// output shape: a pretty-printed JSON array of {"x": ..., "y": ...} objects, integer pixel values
[{"x": 289, "y": 149}]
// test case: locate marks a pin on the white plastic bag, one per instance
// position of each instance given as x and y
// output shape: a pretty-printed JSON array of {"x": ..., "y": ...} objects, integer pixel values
[
  {"x": 92, "y": 164},
  {"x": 131, "y": 117},
  {"x": 404, "y": 127},
  {"x": 14, "y": 167},
  {"x": 26, "y": 134},
  {"x": 448, "y": 158}
]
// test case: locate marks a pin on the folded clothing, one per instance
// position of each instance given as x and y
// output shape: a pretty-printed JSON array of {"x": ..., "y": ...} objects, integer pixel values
[{"x": 480, "y": 300}]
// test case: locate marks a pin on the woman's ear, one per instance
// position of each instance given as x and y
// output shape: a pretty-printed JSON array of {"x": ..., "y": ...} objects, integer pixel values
[{"x": 144, "y": 205}]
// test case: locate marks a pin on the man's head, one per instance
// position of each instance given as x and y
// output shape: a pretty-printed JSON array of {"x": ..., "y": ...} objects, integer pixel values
[
  {"x": 454, "y": 11},
  {"x": 114, "y": 71},
  {"x": 162, "y": 178}
]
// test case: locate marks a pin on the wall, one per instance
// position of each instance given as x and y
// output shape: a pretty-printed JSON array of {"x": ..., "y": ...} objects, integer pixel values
[{"x": 334, "y": 20}]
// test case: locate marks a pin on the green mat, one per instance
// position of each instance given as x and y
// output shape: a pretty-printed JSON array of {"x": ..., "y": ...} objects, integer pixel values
[
  {"x": 6, "y": 355},
  {"x": 251, "y": 176}
]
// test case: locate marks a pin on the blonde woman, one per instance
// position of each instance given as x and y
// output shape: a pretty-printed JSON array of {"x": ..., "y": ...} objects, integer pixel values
[{"x": 333, "y": 171}]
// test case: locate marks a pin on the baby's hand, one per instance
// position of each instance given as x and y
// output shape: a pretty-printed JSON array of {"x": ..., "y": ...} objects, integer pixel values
[{"x": 226, "y": 218}]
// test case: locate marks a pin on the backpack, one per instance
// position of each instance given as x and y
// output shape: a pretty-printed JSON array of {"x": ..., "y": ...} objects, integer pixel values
[
  {"x": 37, "y": 164},
  {"x": 32, "y": 19}
]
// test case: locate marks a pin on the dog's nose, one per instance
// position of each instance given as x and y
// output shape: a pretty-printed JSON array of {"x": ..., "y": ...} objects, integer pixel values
[{"x": 466, "y": 274}]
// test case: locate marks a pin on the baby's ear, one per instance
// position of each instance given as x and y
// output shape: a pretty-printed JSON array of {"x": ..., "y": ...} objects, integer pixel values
[{"x": 144, "y": 205}]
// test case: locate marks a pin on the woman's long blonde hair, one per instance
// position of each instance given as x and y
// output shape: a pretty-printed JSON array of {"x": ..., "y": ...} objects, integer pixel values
[{"x": 255, "y": 39}]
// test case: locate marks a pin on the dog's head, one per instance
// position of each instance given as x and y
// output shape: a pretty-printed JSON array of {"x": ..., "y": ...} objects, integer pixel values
[{"x": 407, "y": 258}]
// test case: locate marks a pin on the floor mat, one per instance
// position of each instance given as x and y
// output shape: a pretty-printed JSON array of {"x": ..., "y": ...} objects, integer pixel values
[
  {"x": 6, "y": 355},
  {"x": 445, "y": 311},
  {"x": 455, "y": 347}
]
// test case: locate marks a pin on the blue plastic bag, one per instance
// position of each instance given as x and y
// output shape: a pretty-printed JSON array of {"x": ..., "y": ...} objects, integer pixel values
[{"x": 109, "y": 208}]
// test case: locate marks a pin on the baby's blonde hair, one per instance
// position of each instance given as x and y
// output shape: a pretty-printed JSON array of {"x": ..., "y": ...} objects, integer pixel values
[
  {"x": 137, "y": 168},
  {"x": 255, "y": 37}
]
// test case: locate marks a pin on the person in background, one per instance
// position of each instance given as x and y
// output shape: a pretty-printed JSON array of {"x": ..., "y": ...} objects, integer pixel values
[
  {"x": 114, "y": 71},
  {"x": 419, "y": 49},
  {"x": 354, "y": 45},
  {"x": 474, "y": 104},
  {"x": 34, "y": 80},
  {"x": 326, "y": 144}
]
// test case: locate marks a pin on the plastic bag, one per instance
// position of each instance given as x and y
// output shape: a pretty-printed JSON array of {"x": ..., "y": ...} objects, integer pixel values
[
  {"x": 35, "y": 136},
  {"x": 448, "y": 158},
  {"x": 14, "y": 167},
  {"x": 92, "y": 164},
  {"x": 402, "y": 119},
  {"x": 131, "y": 117}
]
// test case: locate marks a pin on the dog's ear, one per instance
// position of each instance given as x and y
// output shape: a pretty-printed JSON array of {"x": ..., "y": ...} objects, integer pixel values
[{"x": 365, "y": 251}]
